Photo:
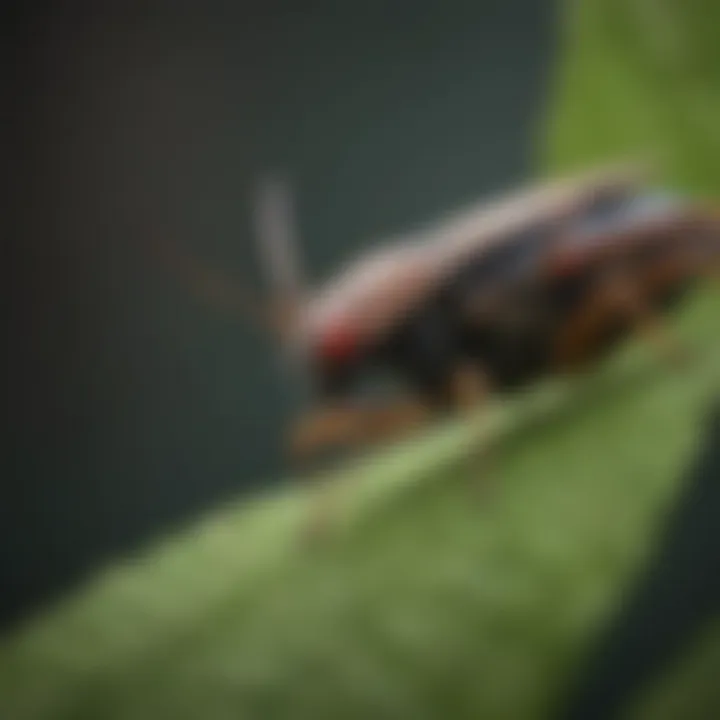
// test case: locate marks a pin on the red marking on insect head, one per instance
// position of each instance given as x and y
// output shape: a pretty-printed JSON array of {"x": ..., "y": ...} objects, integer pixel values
[{"x": 338, "y": 344}]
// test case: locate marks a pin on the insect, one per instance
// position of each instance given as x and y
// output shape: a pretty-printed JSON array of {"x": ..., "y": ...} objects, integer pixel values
[{"x": 539, "y": 281}]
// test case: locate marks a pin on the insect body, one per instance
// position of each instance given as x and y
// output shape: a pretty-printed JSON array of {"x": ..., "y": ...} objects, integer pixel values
[{"x": 542, "y": 281}]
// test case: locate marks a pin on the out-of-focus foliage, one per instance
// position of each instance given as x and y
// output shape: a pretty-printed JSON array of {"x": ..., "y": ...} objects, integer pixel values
[
  {"x": 639, "y": 76},
  {"x": 691, "y": 690}
]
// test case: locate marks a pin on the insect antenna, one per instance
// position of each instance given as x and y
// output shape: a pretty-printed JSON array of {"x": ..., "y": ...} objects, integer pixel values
[{"x": 278, "y": 245}]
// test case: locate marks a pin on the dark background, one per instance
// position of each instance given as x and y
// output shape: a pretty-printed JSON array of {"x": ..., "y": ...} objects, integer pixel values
[{"x": 130, "y": 406}]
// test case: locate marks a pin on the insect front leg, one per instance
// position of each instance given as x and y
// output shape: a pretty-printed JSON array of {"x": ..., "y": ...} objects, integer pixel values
[
  {"x": 323, "y": 429},
  {"x": 354, "y": 427},
  {"x": 395, "y": 419}
]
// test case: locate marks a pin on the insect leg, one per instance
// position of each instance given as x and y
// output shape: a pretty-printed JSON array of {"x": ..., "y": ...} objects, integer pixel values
[
  {"x": 616, "y": 295},
  {"x": 357, "y": 427},
  {"x": 469, "y": 387},
  {"x": 631, "y": 300},
  {"x": 324, "y": 428},
  {"x": 349, "y": 426},
  {"x": 395, "y": 419}
]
